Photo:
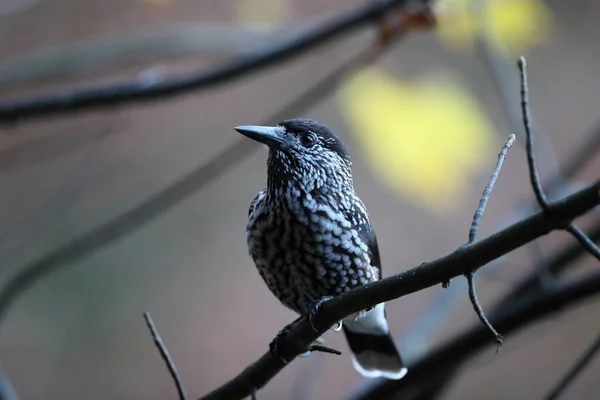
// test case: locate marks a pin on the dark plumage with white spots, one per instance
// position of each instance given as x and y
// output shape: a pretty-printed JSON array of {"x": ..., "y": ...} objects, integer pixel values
[{"x": 310, "y": 237}]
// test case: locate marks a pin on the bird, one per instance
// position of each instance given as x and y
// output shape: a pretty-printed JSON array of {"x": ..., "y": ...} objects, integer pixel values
[{"x": 311, "y": 239}]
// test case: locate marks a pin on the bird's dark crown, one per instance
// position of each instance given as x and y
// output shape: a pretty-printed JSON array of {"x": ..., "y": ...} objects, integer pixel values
[{"x": 327, "y": 139}]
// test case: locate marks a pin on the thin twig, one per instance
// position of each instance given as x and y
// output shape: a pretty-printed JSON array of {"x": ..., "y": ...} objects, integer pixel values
[
  {"x": 584, "y": 240},
  {"x": 533, "y": 172},
  {"x": 473, "y": 234},
  {"x": 172, "y": 195},
  {"x": 479, "y": 311},
  {"x": 488, "y": 189},
  {"x": 164, "y": 353},
  {"x": 253, "y": 394},
  {"x": 463, "y": 260},
  {"x": 575, "y": 369},
  {"x": 130, "y": 92}
]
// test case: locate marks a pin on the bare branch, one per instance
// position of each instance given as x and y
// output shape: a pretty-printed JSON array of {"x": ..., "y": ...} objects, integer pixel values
[
  {"x": 444, "y": 362},
  {"x": 572, "y": 373},
  {"x": 129, "y": 92},
  {"x": 533, "y": 172},
  {"x": 479, "y": 310},
  {"x": 525, "y": 292},
  {"x": 150, "y": 45},
  {"x": 441, "y": 369},
  {"x": 488, "y": 189},
  {"x": 473, "y": 234},
  {"x": 164, "y": 353},
  {"x": 463, "y": 260}
]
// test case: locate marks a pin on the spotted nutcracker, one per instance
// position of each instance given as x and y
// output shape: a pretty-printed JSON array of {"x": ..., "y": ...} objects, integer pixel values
[{"x": 310, "y": 237}]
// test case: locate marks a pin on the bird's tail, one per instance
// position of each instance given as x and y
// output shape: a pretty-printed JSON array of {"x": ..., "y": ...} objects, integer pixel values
[{"x": 374, "y": 351}]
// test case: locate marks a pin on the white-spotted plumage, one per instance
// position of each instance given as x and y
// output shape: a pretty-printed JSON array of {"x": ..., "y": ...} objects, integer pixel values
[{"x": 310, "y": 237}]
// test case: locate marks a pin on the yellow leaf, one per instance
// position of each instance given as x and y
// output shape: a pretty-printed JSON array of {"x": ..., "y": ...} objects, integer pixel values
[
  {"x": 422, "y": 139},
  {"x": 514, "y": 25},
  {"x": 261, "y": 14}
]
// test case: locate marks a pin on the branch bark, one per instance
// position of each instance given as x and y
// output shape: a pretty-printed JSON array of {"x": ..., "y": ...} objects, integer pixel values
[{"x": 442, "y": 364}]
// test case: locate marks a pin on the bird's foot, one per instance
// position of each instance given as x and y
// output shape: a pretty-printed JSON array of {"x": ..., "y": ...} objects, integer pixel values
[
  {"x": 314, "y": 311},
  {"x": 400, "y": 20}
]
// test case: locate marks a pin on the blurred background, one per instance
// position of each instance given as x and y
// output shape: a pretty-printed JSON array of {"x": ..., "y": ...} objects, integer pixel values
[{"x": 424, "y": 124}]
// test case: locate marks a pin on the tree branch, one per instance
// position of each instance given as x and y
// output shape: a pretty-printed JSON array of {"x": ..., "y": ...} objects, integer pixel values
[
  {"x": 587, "y": 244},
  {"x": 488, "y": 189},
  {"x": 59, "y": 62},
  {"x": 129, "y": 92},
  {"x": 533, "y": 172},
  {"x": 524, "y": 293},
  {"x": 473, "y": 235},
  {"x": 529, "y": 287},
  {"x": 463, "y": 260},
  {"x": 446, "y": 360}
]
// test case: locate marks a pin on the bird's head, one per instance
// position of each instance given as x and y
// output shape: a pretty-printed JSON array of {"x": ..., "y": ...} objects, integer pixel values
[{"x": 305, "y": 153}]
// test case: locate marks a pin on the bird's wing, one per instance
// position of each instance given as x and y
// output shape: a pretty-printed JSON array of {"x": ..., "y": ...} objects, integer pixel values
[
  {"x": 367, "y": 234},
  {"x": 258, "y": 197}
]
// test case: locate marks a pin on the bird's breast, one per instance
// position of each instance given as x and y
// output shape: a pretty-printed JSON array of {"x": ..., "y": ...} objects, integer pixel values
[{"x": 301, "y": 235}]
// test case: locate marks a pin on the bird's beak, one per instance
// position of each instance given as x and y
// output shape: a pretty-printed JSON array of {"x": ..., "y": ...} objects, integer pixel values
[{"x": 272, "y": 136}]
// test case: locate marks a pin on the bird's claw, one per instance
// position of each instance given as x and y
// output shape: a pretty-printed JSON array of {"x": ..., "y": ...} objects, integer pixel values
[{"x": 315, "y": 310}]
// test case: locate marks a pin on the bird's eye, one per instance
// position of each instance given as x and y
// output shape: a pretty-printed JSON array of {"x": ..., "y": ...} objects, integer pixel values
[{"x": 308, "y": 140}]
